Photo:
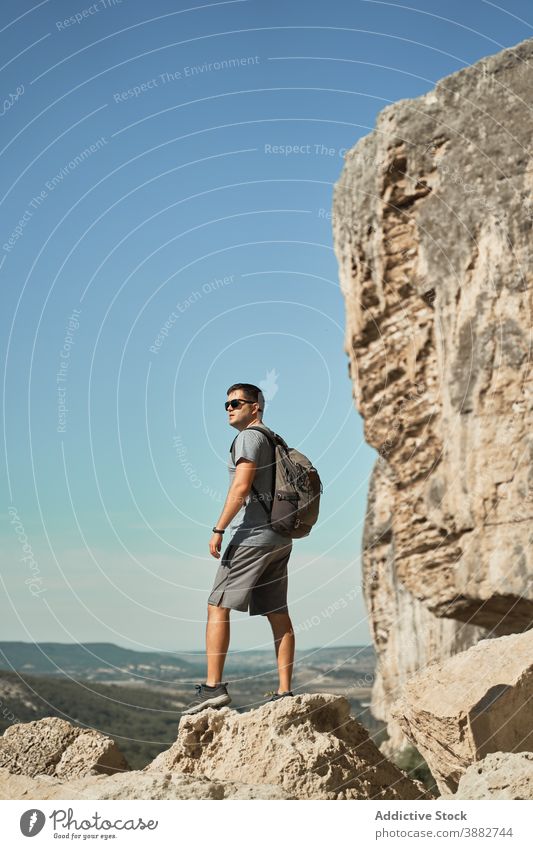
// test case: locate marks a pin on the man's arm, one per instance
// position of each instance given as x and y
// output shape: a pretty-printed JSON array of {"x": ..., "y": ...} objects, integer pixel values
[{"x": 237, "y": 493}]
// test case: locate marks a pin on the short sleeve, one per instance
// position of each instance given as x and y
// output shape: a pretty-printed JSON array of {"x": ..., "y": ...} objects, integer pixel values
[{"x": 248, "y": 446}]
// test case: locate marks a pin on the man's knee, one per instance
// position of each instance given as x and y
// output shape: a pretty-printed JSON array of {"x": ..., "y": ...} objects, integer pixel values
[
  {"x": 276, "y": 616},
  {"x": 216, "y": 611},
  {"x": 280, "y": 622}
]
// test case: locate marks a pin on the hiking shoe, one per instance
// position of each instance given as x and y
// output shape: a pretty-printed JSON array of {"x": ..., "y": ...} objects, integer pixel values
[
  {"x": 275, "y": 696},
  {"x": 206, "y": 696}
]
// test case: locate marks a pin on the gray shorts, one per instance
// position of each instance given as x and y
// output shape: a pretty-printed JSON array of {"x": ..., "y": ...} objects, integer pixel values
[{"x": 254, "y": 575}]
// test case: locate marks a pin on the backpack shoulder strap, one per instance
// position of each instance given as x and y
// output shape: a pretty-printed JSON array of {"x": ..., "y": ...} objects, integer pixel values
[{"x": 273, "y": 437}]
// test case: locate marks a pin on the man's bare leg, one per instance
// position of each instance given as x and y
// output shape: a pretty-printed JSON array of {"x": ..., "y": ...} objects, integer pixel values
[
  {"x": 217, "y": 642},
  {"x": 284, "y": 642}
]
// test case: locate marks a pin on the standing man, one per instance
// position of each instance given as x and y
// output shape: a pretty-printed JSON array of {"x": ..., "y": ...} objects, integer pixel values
[{"x": 252, "y": 573}]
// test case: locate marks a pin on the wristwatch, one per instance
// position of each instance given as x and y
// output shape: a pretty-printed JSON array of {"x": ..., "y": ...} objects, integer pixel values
[{"x": 217, "y": 531}]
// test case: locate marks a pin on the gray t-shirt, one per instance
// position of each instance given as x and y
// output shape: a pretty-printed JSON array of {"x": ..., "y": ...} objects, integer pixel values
[{"x": 250, "y": 525}]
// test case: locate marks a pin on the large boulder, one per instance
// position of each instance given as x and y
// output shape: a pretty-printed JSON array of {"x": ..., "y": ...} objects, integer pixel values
[
  {"x": 54, "y": 746},
  {"x": 308, "y": 744},
  {"x": 433, "y": 222},
  {"x": 476, "y": 702},
  {"x": 501, "y": 775}
]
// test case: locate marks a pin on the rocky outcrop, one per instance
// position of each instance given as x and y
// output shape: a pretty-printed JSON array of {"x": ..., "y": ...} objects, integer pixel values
[
  {"x": 309, "y": 745},
  {"x": 300, "y": 748},
  {"x": 477, "y": 702},
  {"x": 501, "y": 775},
  {"x": 432, "y": 232},
  {"x": 407, "y": 636},
  {"x": 53, "y": 746},
  {"x": 433, "y": 221},
  {"x": 132, "y": 785}
]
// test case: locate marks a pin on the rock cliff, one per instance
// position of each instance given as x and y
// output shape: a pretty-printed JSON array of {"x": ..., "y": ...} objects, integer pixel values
[
  {"x": 406, "y": 634},
  {"x": 432, "y": 221}
]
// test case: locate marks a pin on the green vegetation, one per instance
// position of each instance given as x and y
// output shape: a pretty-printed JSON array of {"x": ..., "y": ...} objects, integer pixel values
[
  {"x": 411, "y": 761},
  {"x": 142, "y": 722}
]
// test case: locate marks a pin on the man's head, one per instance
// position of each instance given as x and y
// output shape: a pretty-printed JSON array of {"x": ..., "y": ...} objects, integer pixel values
[{"x": 250, "y": 408}]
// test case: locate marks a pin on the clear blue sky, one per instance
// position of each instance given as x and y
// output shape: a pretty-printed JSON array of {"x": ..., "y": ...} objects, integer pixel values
[{"x": 147, "y": 189}]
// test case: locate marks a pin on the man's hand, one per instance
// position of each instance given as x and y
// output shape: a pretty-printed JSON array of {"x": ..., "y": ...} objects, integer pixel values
[{"x": 214, "y": 545}]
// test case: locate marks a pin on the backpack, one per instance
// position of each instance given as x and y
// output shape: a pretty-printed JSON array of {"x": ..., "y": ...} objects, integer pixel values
[{"x": 296, "y": 488}]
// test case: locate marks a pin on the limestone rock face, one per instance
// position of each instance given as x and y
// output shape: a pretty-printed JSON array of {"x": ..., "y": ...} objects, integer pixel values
[
  {"x": 54, "y": 746},
  {"x": 406, "y": 635},
  {"x": 474, "y": 703},
  {"x": 309, "y": 745},
  {"x": 432, "y": 220},
  {"x": 131, "y": 785},
  {"x": 501, "y": 775}
]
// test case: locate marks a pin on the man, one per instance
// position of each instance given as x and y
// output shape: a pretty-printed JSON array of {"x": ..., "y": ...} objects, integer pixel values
[{"x": 252, "y": 574}]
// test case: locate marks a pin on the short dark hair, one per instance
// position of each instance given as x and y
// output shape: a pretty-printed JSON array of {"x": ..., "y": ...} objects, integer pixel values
[{"x": 250, "y": 392}]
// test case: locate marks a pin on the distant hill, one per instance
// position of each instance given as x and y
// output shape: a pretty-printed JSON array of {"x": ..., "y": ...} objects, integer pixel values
[
  {"x": 94, "y": 661},
  {"x": 109, "y": 662}
]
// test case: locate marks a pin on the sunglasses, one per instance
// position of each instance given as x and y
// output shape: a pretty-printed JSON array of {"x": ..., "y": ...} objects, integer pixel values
[{"x": 236, "y": 402}]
